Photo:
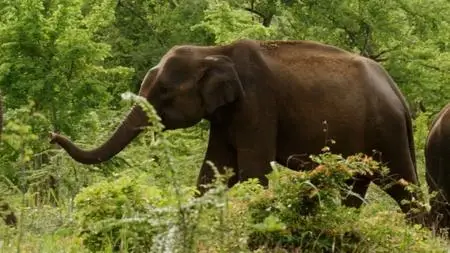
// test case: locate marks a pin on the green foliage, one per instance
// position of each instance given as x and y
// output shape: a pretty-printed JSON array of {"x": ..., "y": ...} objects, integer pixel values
[
  {"x": 144, "y": 30},
  {"x": 19, "y": 143},
  {"x": 127, "y": 214},
  {"x": 421, "y": 128},
  {"x": 228, "y": 24},
  {"x": 101, "y": 207},
  {"x": 48, "y": 54},
  {"x": 303, "y": 211}
]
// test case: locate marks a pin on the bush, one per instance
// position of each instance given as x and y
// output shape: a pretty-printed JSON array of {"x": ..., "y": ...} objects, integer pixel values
[
  {"x": 303, "y": 211},
  {"x": 128, "y": 215},
  {"x": 102, "y": 208}
]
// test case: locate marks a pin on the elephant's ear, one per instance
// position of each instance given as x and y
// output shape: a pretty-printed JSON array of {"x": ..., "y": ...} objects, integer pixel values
[
  {"x": 147, "y": 82},
  {"x": 220, "y": 82}
]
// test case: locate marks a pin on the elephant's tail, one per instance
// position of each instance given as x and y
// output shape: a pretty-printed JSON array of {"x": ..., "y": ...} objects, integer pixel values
[
  {"x": 409, "y": 127},
  {"x": 411, "y": 144}
]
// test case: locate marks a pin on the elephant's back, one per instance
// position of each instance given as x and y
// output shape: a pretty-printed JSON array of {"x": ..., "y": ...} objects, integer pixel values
[
  {"x": 440, "y": 128},
  {"x": 438, "y": 140},
  {"x": 304, "y": 55},
  {"x": 437, "y": 150},
  {"x": 294, "y": 47}
]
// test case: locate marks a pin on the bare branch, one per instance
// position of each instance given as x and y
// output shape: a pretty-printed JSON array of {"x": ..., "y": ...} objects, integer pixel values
[
  {"x": 433, "y": 67},
  {"x": 266, "y": 19},
  {"x": 254, "y": 12},
  {"x": 377, "y": 57}
]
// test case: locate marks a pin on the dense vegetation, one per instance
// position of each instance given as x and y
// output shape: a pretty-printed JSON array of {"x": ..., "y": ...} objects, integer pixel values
[{"x": 64, "y": 65}]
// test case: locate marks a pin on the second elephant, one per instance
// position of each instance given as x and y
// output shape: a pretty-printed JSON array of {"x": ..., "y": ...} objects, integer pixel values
[{"x": 437, "y": 160}]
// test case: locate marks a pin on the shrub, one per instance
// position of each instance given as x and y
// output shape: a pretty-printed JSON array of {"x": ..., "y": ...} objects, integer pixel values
[
  {"x": 102, "y": 207},
  {"x": 303, "y": 211}
]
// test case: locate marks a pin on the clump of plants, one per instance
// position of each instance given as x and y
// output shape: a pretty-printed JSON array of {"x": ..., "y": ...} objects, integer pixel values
[
  {"x": 128, "y": 215},
  {"x": 108, "y": 214},
  {"x": 303, "y": 211}
]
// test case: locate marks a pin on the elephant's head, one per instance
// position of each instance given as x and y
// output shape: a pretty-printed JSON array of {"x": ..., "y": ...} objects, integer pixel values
[{"x": 188, "y": 84}]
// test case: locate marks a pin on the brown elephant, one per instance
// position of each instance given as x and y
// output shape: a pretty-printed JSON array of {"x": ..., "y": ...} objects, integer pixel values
[
  {"x": 437, "y": 160},
  {"x": 268, "y": 101}
]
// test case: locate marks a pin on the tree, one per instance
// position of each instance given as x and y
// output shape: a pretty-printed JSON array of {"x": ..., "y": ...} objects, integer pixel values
[
  {"x": 48, "y": 54},
  {"x": 144, "y": 30}
]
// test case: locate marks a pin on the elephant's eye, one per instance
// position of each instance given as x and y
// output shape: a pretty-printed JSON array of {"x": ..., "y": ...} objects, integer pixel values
[{"x": 163, "y": 90}]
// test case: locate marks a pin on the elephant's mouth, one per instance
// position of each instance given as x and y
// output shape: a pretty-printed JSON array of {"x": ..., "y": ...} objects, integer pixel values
[{"x": 172, "y": 119}]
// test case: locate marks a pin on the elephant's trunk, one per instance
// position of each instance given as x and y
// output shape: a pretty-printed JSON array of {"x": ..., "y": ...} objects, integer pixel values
[{"x": 124, "y": 134}]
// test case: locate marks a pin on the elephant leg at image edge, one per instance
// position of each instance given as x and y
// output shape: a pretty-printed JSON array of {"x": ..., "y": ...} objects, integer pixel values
[
  {"x": 397, "y": 190},
  {"x": 222, "y": 155}
]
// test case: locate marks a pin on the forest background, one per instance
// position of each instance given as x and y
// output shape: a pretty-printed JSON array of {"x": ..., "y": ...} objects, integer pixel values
[{"x": 65, "y": 64}]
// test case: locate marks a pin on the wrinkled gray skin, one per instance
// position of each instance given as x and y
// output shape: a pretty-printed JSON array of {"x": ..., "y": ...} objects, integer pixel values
[
  {"x": 6, "y": 213},
  {"x": 267, "y": 101},
  {"x": 437, "y": 160}
]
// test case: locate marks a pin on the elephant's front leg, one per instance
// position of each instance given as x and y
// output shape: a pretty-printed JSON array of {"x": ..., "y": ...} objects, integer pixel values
[
  {"x": 222, "y": 154},
  {"x": 256, "y": 148},
  {"x": 254, "y": 164}
]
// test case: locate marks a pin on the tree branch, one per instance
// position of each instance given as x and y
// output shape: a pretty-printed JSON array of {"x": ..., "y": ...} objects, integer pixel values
[
  {"x": 433, "y": 67},
  {"x": 367, "y": 32},
  {"x": 254, "y": 12},
  {"x": 377, "y": 57},
  {"x": 151, "y": 29},
  {"x": 266, "y": 19}
]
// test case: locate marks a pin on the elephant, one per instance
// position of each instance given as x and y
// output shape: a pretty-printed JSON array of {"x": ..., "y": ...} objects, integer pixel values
[
  {"x": 437, "y": 161},
  {"x": 6, "y": 213},
  {"x": 269, "y": 101}
]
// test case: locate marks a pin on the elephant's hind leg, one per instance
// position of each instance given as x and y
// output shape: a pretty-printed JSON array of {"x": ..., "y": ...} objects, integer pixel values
[
  {"x": 437, "y": 178},
  {"x": 439, "y": 216},
  {"x": 401, "y": 172}
]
